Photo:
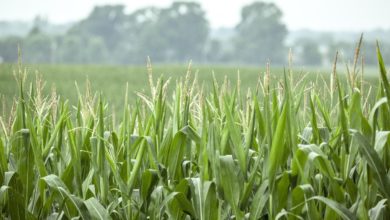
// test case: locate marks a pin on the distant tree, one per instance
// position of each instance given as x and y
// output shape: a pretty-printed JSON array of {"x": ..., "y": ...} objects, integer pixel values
[
  {"x": 9, "y": 48},
  {"x": 144, "y": 38},
  {"x": 261, "y": 34},
  {"x": 107, "y": 22},
  {"x": 310, "y": 52},
  {"x": 34, "y": 31},
  {"x": 40, "y": 23},
  {"x": 184, "y": 31},
  {"x": 71, "y": 49},
  {"x": 214, "y": 51},
  {"x": 174, "y": 34},
  {"x": 77, "y": 49},
  {"x": 38, "y": 47},
  {"x": 96, "y": 51}
]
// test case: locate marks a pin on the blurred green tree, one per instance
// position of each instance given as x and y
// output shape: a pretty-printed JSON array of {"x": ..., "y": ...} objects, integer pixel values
[
  {"x": 9, "y": 48},
  {"x": 310, "y": 52},
  {"x": 144, "y": 38},
  {"x": 107, "y": 22},
  {"x": 96, "y": 50},
  {"x": 69, "y": 49},
  {"x": 174, "y": 34},
  {"x": 93, "y": 49},
  {"x": 184, "y": 31},
  {"x": 214, "y": 51},
  {"x": 261, "y": 34},
  {"x": 38, "y": 47}
]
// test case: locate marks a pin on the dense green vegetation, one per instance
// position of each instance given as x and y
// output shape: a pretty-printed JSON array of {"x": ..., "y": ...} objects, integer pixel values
[
  {"x": 112, "y": 80},
  {"x": 111, "y": 34},
  {"x": 286, "y": 148}
]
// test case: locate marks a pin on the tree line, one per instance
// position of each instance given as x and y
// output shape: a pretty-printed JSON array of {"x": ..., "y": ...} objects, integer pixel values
[{"x": 174, "y": 34}]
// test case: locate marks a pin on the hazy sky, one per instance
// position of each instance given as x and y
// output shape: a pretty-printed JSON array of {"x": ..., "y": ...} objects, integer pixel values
[{"x": 351, "y": 15}]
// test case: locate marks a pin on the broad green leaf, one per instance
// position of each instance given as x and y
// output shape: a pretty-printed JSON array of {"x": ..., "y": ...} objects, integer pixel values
[
  {"x": 235, "y": 135},
  {"x": 315, "y": 154},
  {"x": 342, "y": 115},
  {"x": 335, "y": 206},
  {"x": 96, "y": 210},
  {"x": 231, "y": 180},
  {"x": 315, "y": 132},
  {"x": 71, "y": 201},
  {"x": 375, "y": 109},
  {"x": 300, "y": 194},
  {"x": 181, "y": 203},
  {"x": 259, "y": 200},
  {"x": 377, "y": 212},
  {"x": 383, "y": 73},
  {"x": 375, "y": 163},
  {"x": 149, "y": 180},
  {"x": 16, "y": 200},
  {"x": 381, "y": 138},
  {"x": 278, "y": 146},
  {"x": 284, "y": 213},
  {"x": 204, "y": 199}
]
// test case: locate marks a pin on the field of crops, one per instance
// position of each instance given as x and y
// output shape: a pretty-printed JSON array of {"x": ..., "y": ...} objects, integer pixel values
[
  {"x": 260, "y": 147},
  {"x": 112, "y": 80}
]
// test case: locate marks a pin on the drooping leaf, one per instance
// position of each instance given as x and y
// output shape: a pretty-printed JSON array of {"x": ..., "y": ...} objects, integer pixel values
[{"x": 96, "y": 210}]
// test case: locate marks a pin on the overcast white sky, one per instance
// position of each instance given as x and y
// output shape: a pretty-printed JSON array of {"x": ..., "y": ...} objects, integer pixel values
[{"x": 350, "y": 15}]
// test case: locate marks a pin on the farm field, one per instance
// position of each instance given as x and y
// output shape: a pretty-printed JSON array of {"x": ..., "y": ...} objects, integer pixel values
[
  {"x": 287, "y": 145},
  {"x": 112, "y": 80},
  {"x": 194, "y": 110}
]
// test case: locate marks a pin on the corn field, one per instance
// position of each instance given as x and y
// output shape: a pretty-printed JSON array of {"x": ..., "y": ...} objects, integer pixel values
[{"x": 287, "y": 149}]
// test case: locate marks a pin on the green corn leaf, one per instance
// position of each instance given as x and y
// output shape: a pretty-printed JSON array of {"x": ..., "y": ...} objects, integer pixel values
[
  {"x": 335, "y": 206},
  {"x": 324, "y": 113},
  {"x": 96, "y": 210},
  {"x": 375, "y": 163},
  {"x": 278, "y": 146},
  {"x": 3, "y": 161},
  {"x": 355, "y": 111},
  {"x": 175, "y": 155},
  {"x": 16, "y": 200},
  {"x": 204, "y": 198},
  {"x": 259, "y": 201},
  {"x": 70, "y": 200},
  {"x": 377, "y": 212},
  {"x": 383, "y": 72},
  {"x": 315, "y": 132},
  {"x": 149, "y": 181},
  {"x": 343, "y": 117},
  {"x": 381, "y": 138},
  {"x": 300, "y": 194},
  {"x": 179, "y": 202},
  {"x": 231, "y": 180},
  {"x": 235, "y": 136},
  {"x": 374, "y": 110}
]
